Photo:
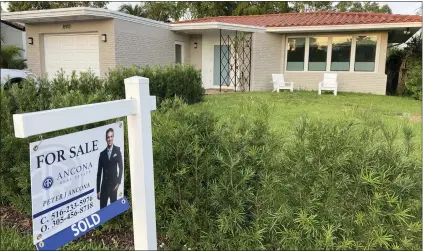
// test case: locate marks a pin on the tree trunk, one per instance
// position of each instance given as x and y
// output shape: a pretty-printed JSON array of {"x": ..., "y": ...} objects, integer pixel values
[{"x": 401, "y": 76}]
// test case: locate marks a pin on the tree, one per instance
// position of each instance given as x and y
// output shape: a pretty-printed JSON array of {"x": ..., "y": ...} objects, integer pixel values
[
  {"x": 24, "y": 6},
  {"x": 160, "y": 11},
  {"x": 211, "y": 9},
  {"x": 419, "y": 11},
  {"x": 414, "y": 46},
  {"x": 1, "y": 35},
  {"x": 259, "y": 8},
  {"x": 164, "y": 11},
  {"x": 362, "y": 7},
  {"x": 310, "y": 6},
  {"x": 10, "y": 57},
  {"x": 136, "y": 10}
]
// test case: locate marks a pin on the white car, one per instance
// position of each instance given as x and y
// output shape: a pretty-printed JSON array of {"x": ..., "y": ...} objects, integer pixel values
[{"x": 13, "y": 76}]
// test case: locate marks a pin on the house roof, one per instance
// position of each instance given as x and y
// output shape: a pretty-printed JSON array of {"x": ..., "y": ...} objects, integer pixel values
[
  {"x": 309, "y": 19},
  {"x": 14, "y": 25}
]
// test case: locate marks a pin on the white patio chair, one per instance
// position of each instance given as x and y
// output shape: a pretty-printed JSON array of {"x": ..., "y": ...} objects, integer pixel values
[
  {"x": 329, "y": 83},
  {"x": 279, "y": 82}
]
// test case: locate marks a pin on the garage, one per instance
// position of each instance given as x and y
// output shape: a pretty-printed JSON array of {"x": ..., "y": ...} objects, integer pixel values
[{"x": 71, "y": 52}]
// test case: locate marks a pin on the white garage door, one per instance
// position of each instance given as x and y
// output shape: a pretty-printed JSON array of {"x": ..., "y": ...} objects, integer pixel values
[{"x": 71, "y": 52}]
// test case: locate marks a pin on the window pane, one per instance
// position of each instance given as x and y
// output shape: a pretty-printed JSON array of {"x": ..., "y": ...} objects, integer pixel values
[
  {"x": 178, "y": 53},
  {"x": 365, "y": 53},
  {"x": 295, "y": 54},
  {"x": 341, "y": 52},
  {"x": 318, "y": 53}
]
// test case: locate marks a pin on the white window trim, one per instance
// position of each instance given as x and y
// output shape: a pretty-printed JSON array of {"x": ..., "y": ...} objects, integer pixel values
[
  {"x": 329, "y": 54},
  {"x": 306, "y": 53},
  {"x": 352, "y": 52},
  {"x": 182, "y": 44}
]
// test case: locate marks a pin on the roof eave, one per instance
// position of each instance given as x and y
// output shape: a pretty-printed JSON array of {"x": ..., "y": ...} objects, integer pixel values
[
  {"x": 348, "y": 27},
  {"x": 216, "y": 25},
  {"x": 75, "y": 14},
  {"x": 13, "y": 25}
]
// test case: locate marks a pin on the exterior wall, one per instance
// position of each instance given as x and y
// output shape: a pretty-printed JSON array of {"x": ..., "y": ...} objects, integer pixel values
[
  {"x": 347, "y": 81},
  {"x": 266, "y": 58},
  {"x": 37, "y": 31},
  {"x": 383, "y": 48},
  {"x": 269, "y": 57},
  {"x": 12, "y": 36},
  {"x": 196, "y": 54},
  {"x": 210, "y": 39},
  {"x": 141, "y": 45}
]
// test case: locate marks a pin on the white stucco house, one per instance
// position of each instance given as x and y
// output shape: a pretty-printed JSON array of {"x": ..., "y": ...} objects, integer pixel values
[
  {"x": 13, "y": 34},
  {"x": 240, "y": 51}
]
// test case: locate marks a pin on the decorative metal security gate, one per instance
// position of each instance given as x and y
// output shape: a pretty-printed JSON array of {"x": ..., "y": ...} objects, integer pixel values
[{"x": 235, "y": 61}]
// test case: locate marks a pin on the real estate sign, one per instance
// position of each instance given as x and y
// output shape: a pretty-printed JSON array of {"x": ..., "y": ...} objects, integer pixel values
[{"x": 76, "y": 183}]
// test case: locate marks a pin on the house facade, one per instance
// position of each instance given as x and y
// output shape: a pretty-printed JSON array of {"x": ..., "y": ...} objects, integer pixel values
[{"x": 238, "y": 52}]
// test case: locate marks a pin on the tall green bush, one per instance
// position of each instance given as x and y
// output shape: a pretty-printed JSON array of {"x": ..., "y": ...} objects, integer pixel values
[
  {"x": 10, "y": 57},
  {"x": 413, "y": 79},
  {"x": 169, "y": 81},
  {"x": 237, "y": 185},
  {"x": 71, "y": 90},
  {"x": 61, "y": 92},
  {"x": 233, "y": 183}
]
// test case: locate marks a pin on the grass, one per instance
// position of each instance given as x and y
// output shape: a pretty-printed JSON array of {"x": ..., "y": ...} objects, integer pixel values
[
  {"x": 11, "y": 239},
  {"x": 286, "y": 108}
]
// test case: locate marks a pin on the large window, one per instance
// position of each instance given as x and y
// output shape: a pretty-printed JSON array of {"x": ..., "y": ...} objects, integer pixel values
[
  {"x": 295, "y": 54},
  {"x": 317, "y": 53},
  {"x": 332, "y": 53},
  {"x": 365, "y": 53},
  {"x": 341, "y": 54}
]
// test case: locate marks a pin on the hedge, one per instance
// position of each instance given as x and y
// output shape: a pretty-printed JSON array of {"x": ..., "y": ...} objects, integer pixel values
[{"x": 236, "y": 184}]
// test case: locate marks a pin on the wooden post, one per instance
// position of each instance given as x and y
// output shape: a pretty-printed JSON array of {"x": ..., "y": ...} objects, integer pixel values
[{"x": 141, "y": 163}]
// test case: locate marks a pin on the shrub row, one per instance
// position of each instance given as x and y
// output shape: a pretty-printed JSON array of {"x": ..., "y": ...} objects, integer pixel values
[
  {"x": 330, "y": 185},
  {"x": 236, "y": 184},
  {"x": 70, "y": 90},
  {"x": 179, "y": 80},
  {"x": 413, "y": 79}
]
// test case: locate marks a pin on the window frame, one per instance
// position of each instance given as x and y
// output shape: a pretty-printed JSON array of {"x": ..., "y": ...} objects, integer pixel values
[
  {"x": 352, "y": 50},
  {"x": 182, "y": 44},
  {"x": 329, "y": 53},
  {"x": 378, "y": 40},
  {"x": 305, "y": 52}
]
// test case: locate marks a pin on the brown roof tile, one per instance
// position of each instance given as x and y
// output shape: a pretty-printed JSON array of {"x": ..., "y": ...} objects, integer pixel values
[{"x": 310, "y": 19}]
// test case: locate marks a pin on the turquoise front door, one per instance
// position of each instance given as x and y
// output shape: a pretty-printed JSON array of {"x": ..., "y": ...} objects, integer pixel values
[{"x": 221, "y": 69}]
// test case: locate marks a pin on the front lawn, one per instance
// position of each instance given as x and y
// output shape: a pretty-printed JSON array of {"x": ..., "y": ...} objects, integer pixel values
[
  {"x": 275, "y": 171},
  {"x": 287, "y": 107}
]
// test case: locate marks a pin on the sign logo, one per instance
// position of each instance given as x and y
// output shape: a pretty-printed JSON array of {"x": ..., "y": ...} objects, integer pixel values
[{"x": 47, "y": 183}]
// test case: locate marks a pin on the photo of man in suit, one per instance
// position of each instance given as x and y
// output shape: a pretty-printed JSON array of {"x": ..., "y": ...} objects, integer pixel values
[{"x": 109, "y": 162}]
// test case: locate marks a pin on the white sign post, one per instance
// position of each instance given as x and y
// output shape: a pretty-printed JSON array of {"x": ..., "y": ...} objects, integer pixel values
[{"x": 137, "y": 107}]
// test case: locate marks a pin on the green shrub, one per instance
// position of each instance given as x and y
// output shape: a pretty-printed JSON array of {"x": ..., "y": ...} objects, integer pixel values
[
  {"x": 413, "y": 79},
  {"x": 237, "y": 185},
  {"x": 10, "y": 57},
  {"x": 233, "y": 183},
  {"x": 61, "y": 92},
  {"x": 169, "y": 81}
]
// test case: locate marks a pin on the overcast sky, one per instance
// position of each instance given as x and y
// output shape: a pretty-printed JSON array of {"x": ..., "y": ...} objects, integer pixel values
[{"x": 397, "y": 7}]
